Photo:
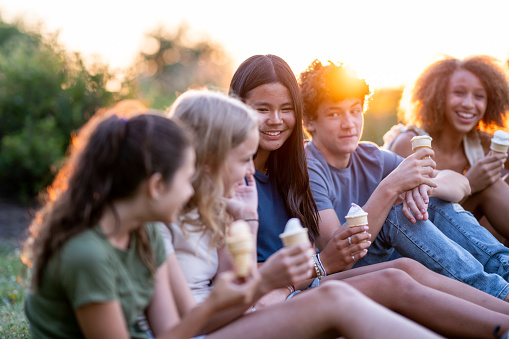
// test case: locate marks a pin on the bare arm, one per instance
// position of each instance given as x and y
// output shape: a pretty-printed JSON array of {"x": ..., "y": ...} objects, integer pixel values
[
  {"x": 102, "y": 320},
  {"x": 451, "y": 186}
]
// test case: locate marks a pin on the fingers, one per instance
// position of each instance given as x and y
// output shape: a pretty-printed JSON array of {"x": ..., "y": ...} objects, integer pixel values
[{"x": 250, "y": 179}]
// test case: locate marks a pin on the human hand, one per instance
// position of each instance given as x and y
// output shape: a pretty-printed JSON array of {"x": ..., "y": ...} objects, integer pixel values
[
  {"x": 415, "y": 203},
  {"x": 413, "y": 171},
  {"x": 346, "y": 246},
  {"x": 231, "y": 291},
  {"x": 287, "y": 266},
  {"x": 486, "y": 171},
  {"x": 243, "y": 202},
  {"x": 272, "y": 297}
]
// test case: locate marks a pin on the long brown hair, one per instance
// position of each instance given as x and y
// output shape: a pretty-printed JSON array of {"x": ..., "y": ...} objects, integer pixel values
[
  {"x": 115, "y": 155},
  {"x": 287, "y": 165}
]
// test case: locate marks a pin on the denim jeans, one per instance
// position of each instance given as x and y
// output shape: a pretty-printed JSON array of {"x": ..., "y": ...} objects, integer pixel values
[{"x": 451, "y": 242}]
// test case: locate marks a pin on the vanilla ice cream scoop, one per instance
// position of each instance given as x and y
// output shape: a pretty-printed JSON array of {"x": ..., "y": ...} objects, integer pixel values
[
  {"x": 356, "y": 216},
  {"x": 294, "y": 233},
  {"x": 500, "y": 142}
]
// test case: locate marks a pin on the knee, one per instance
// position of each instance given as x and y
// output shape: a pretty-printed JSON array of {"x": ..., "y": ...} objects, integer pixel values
[
  {"x": 339, "y": 291},
  {"x": 396, "y": 280},
  {"x": 407, "y": 265}
]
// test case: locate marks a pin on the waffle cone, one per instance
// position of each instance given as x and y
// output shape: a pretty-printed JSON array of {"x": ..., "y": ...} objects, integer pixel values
[
  {"x": 241, "y": 249},
  {"x": 294, "y": 239},
  {"x": 498, "y": 148},
  {"x": 420, "y": 142},
  {"x": 242, "y": 262},
  {"x": 357, "y": 221}
]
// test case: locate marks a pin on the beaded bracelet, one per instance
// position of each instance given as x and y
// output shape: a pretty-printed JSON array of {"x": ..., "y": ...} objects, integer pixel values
[
  {"x": 320, "y": 273},
  {"x": 321, "y": 265},
  {"x": 291, "y": 288}
]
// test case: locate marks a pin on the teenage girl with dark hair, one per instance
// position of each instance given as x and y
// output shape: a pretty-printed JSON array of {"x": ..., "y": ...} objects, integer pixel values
[{"x": 99, "y": 265}]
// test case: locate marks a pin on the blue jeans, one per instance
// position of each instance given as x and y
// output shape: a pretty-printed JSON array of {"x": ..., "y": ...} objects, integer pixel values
[{"x": 451, "y": 242}]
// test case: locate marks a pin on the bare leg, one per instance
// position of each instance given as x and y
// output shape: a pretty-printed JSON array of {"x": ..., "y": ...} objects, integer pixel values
[
  {"x": 493, "y": 202},
  {"x": 439, "y": 311},
  {"x": 329, "y": 311},
  {"x": 434, "y": 280}
]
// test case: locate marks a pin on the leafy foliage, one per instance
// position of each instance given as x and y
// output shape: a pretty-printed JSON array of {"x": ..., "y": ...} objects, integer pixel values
[
  {"x": 174, "y": 62},
  {"x": 46, "y": 93}
]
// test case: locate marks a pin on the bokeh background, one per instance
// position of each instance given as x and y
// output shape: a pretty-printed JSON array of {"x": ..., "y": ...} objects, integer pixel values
[{"x": 62, "y": 60}]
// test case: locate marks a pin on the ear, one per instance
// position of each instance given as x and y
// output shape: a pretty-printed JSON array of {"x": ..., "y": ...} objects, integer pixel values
[
  {"x": 156, "y": 186},
  {"x": 309, "y": 125}
]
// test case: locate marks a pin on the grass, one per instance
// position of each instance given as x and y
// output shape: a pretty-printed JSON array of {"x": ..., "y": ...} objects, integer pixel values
[{"x": 14, "y": 280}]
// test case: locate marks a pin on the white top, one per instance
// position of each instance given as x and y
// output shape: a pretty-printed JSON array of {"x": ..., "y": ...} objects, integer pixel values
[{"x": 198, "y": 261}]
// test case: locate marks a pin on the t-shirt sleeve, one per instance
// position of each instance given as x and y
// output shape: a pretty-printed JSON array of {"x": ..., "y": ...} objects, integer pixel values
[
  {"x": 167, "y": 238},
  {"x": 318, "y": 184},
  {"x": 390, "y": 161},
  {"x": 86, "y": 275}
]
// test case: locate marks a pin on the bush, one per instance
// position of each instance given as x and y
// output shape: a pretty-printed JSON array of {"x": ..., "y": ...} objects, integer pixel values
[{"x": 46, "y": 93}]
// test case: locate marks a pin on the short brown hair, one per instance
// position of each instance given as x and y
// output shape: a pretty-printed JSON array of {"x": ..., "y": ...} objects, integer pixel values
[{"x": 334, "y": 82}]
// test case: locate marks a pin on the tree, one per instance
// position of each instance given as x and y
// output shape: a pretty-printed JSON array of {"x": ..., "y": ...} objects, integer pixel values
[
  {"x": 172, "y": 62},
  {"x": 45, "y": 94}
]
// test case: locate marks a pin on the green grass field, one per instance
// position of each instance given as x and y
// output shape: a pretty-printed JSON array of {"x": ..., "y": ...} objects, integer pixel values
[{"x": 14, "y": 279}]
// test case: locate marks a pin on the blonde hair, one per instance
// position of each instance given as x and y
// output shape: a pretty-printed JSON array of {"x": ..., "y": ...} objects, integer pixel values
[{"x": 219, "y": 123}]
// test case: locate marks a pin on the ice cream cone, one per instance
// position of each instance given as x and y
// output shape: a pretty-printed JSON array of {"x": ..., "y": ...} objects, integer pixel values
[
  {"x": 240, "y": 243},
  {"x": 294, "y": 233},
  {"x": 421, "y": 141},
  {"x": 356, "y": 217},
  {"x": 500, "y": 142}
]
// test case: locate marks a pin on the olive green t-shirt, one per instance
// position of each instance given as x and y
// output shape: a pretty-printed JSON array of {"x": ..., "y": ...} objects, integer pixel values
[{"x": 88, "y": 269}]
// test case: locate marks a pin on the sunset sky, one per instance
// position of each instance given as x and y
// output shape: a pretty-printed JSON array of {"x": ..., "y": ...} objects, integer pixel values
[{"x": 388, "y": 42}]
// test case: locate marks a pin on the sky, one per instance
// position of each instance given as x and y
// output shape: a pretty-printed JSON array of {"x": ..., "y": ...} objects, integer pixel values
[{"x": 387, "y": 42}]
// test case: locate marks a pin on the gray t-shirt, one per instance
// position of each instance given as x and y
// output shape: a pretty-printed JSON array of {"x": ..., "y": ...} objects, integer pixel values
[{"x": 337, "y": 188}]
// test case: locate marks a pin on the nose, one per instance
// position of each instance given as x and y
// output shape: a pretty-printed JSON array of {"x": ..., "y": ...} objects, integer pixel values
[
  {"x": 468, "y": 101},
  {"x": 275, "y": 117},
  {"x": 347, "y": 122}
]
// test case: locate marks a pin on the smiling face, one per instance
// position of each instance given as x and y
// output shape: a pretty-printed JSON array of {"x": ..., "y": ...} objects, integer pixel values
[
  {"x": 239, "y": 161},
  {"x": 336, "y": 130},
  {"x": 466, "y": 101},
  {"x": 276, "y": 114}
]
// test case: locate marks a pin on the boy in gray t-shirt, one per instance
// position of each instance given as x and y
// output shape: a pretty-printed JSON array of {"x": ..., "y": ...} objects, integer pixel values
[{"x": 424, "y": 226}]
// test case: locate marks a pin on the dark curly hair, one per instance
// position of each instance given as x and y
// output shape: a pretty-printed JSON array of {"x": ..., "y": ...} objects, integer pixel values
[
  {"x": 424, "y": 103},
  {"x": 110, "y": 159},
  {"x": 334, "y": 82}
]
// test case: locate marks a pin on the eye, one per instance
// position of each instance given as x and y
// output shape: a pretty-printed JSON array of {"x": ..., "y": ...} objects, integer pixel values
[
  {"x": 262, "y": 110},
  {"x": 458, "y": 92},
  {"x": 333, "y": 114},
  {"x": 480, "y": 96},
  {"x": 287, "y": 109}
]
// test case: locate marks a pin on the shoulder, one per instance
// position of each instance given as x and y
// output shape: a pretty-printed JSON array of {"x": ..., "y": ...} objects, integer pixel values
[
  {"x": 86, "y": 247},
  {"x": 402, "y": 145},
  {"x": 369, "y": 156}
]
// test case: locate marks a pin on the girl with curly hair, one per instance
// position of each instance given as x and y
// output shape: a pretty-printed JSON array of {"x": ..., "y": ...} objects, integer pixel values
[
  {"x": 100, "y": 266},
  {"x": 460, "y": 103}
]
